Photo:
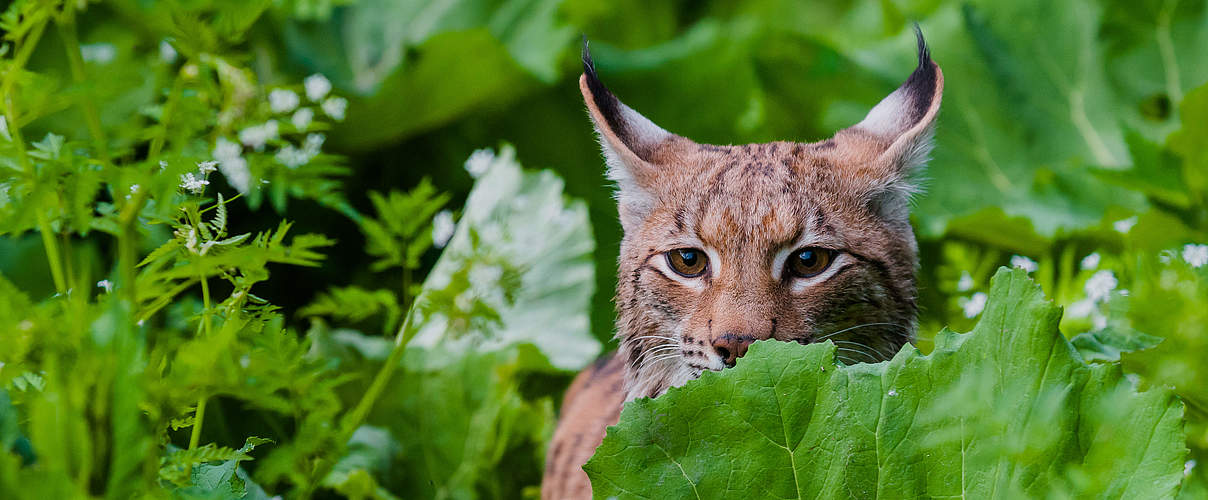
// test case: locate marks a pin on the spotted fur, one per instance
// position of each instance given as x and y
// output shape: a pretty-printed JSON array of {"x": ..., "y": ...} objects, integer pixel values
[{"x": 748, "y": 208}]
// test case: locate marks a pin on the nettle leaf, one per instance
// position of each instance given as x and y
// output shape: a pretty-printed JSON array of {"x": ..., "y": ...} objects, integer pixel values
[
  {"x": 518, "y": 269},
  {"x": 1007, "y": 410}
]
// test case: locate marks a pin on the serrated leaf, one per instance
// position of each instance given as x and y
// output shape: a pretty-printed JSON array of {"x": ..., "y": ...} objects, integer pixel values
[
  {"x": 518, "y": 269},
  {"x": 1007, "y": 410}
]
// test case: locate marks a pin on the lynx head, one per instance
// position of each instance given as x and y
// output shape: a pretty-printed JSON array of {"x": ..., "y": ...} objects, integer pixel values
[{"x": 802, "y": 242}]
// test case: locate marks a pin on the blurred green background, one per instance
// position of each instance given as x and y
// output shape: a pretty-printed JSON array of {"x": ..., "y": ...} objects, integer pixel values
[{"x": 1069, "y": 129}]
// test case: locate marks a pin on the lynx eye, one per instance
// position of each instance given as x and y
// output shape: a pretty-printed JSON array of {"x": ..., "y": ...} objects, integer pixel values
[
  {"x": 688, "y": 262},
  {"x": 809, "y": 262}
]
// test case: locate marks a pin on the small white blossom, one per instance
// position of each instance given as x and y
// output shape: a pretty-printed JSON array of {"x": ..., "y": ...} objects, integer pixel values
[
  {"x": 100, "y": 53},
  {"x": 167, "y": 53},
  {"x": 335, "y": 107},
  {"x": 314, "y": 144},
  {"x": 283, "y": 100},
  {"x": 237, "y": 174},
  {"x": 191, "y": 240},
  {"x": 479, "y": 162},
  {"x": 206, "y": 167},
  {"x": 302, "y": 118},
  {"x": 485, "y": 276},
  {"x": 193, "y": 184},
  {"x": 1123, "y": 226},
  {"x": 1090, "y": 261},
  {"x": 965, "y": 283},
  {"x": 1100, "y": 285},
  {"x": 1195, "y": 255},
  {"x": 4, "y": 129},
  {"x": 133, "y": 191},
  {"x": 225, "y": 150},
  {"x": 973, "y": 305},
  {"x": 1081, "y": 308},
  {"x": 442, "y": 228},
  {"x": 257, "y": 136},
  {"x": 106, "y": 284},
  {"x": 1024, "y": 263},
  {"x": 162, "y": 165},
  {"x": 291, "y": 156},
  {"x": 317, "y": 87}
]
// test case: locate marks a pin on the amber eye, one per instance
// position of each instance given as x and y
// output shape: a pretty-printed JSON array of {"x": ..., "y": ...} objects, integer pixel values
[
  {"x": 810, "y": 262},
  {"x": 687, "y": 262}
]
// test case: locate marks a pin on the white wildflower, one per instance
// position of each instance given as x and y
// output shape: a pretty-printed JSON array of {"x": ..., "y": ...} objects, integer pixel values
[
  {"x": 133, "y": 190},
  {"x": 225, "y": 150},
  {"x": 302, "y": 118},
  {"x": 442, "y": 228},
  {"x": 283, "y": 100},
  {"x": 314, "y": 144},
  {"x": 206, "y": 167},
  {"x": 973, "y": 305},
  {"x": 162, "y": 165},
  {"x": 335, "y": 107},
  {"x": 106, "y": 284},
  {"x": 257, "y": 136},
  {"x": 479, "y": 162},
  {"x": 1081, "y": 308},
  {"x": 100, "y": 53},
  {"x": 1024, "y": 263},
  {"x": 1090, "y": 261},
  {"x": 193, "y": 184},
  {"x": 4, "y": 129},
  {"x": 485, "y": 276},
  {"x": 1195, "y": 255},
  {"x": 167, "y": 53},
  {"x": 965, "y": 283},
  {"x": 191, "y": 240},
  {"x": 1123, "y": 226},
  {"x": 317, "y": 87},
  {"x": 237, "y": 174},
  {"x": 291, "y": 156},
  {"x": 1100, "y": 285}
]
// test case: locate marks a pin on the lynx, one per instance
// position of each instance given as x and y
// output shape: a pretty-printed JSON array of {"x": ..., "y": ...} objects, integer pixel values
[{"x": 726, "y": 245}]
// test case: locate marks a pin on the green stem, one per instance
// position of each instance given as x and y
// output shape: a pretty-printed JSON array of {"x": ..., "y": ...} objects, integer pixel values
[
  {"x": 71, "y": 43},
  {"x": 161, "y": 136},
  {"x": 52, "y": 253},
  {"x": 198, "y": 416}
]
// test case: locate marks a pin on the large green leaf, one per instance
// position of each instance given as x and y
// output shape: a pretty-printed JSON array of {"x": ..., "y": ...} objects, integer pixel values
[
  {"x": 517, "y": 270},
  {"x": 1007, "y": 410}
]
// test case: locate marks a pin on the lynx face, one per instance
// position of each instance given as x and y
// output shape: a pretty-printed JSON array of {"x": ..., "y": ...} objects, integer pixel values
[{"x": 725, "y": 245}]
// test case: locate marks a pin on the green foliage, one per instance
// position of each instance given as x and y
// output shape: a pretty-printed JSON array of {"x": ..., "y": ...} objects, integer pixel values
[
  {"x": 1007, "y": 410},
  {"x": 156, "y": 312}
]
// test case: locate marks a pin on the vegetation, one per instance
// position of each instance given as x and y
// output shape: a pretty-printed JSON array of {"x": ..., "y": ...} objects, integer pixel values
[{"x": 266, "y": 248}]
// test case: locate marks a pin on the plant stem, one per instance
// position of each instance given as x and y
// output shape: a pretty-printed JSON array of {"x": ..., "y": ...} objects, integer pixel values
[
  {"x": 198, "y": 416},
  {"x": 71, "y": 43},
  {"x": 52, "y": 253}
]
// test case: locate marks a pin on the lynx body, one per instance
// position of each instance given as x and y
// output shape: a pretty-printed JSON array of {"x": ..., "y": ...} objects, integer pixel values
[{"x": 725, "y": 245}]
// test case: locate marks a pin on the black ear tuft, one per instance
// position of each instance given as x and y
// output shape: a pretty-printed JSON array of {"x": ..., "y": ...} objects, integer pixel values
[
  {"x": 589, "y": 67},
  {"x": 924, "y": 51},
  {"x": 920, "y": 87}
]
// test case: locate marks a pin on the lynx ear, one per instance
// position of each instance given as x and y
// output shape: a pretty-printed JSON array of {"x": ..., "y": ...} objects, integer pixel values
[
  {"x": 634, "y": 147},
  {"x": 894, "y": 140}
]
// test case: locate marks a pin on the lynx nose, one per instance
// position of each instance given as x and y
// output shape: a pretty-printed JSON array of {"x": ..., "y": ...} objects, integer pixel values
[{"x": 732, "y": 346}]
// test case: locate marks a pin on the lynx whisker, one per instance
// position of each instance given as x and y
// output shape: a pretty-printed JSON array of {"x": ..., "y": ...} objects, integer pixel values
[
  {"x": 848, "y": 329},
  {"x": 872, "y": 359},
  {"x": 880, "y": 353}
]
